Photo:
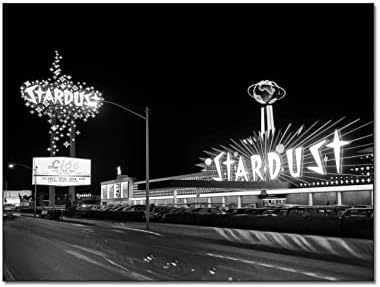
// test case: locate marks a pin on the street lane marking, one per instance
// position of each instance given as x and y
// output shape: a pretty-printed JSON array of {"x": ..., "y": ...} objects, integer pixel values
[
  {"x": 83, "y": 257},
  {"x": 136, "y": 275},
  {"x": 89, "y": 250},
  {"x": 123, "y": 269},
  {"x": 8, "y": 276},
  {"x": 323, "y": 277},
  {"x": 135, "y": 229}
]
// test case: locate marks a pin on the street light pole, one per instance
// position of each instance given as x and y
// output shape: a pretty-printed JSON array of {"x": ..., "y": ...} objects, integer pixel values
[
  {"x": 146, "y": 118},
  {"x": 147, "y": 166},
  {"x": 34, "y": 169},
  {"x": 35, "y": 192}
]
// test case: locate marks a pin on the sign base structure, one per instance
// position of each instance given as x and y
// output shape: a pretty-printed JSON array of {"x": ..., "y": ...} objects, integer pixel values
[{"x": 61, "y": 171}]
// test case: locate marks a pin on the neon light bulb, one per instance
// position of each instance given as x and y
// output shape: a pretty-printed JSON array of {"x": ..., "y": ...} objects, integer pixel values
[
  {"x": 241, "y": 172},
  {"x": 256, "y": 165},
  {"x": 218, "y": 169},
  {"x": 228, "y": 163},
  {"x": 289, "y": 154},
  {"x": 336, "y": 145},
  {"x": 274, "y": 159},
  {"x": 317, "y": 157}
]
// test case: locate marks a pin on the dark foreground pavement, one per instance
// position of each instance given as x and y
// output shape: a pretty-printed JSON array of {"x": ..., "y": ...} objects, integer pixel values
[{"x": 38, "y": 249}]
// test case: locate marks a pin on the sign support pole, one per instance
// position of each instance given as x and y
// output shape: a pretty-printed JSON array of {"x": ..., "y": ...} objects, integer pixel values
[
  {"x": 52, "y": 188},
  {"x": 72, "y": 154},
  {"x": 35, "y": 192}
]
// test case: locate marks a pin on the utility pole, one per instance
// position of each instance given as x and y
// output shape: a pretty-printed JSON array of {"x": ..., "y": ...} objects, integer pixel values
[{"x": 147, "y": 166}]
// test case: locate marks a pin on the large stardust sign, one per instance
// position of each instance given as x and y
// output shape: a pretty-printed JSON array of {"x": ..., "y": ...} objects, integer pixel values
[
  {"x": 258, "y": 167},
  {"x": 63, "y": 102},
  {"x": 61, "y": 171}
]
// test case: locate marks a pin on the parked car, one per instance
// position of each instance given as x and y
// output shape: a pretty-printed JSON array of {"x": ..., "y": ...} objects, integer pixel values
[
  {"x": 176, "y": 211},
  {"x": 9, "y": 207},
  {"x": 118, "y": 208},
  {"x": 107, "y": 208},
  {"x": 160, "y": 211},
  {"x": 206, "y": 210},
  {"x": 234, "y": 211},
  {"x": 138, "y": 212},
  {"x": 274, "y": 212},
  {"x": 95, "y": 207},
  {"x": 137, "y": 208},
  {"x": 252, "y": 211},
  {"x": 358, "y": 212},
  {"x": 8, "y": 210}
]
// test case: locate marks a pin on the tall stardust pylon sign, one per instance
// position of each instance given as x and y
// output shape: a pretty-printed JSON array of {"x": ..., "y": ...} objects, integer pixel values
[{"x": 65, "y": 103}]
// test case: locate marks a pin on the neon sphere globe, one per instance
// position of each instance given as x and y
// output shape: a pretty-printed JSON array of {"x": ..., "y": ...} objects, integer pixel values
[{"x": 266, "y": 92}]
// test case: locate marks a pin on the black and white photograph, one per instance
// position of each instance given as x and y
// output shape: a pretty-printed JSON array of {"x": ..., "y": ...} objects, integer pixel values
[{"x": 188, "y": 142}]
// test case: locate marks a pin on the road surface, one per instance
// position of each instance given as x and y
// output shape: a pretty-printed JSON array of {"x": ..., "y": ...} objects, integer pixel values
[{"x": 39, "y": 249}]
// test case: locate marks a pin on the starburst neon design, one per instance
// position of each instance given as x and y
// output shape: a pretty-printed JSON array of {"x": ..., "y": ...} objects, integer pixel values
[{"x": 324, "y": 147}]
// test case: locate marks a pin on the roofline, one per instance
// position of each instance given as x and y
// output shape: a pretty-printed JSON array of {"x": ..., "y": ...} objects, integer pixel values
[{"x": 202, "y": 173}]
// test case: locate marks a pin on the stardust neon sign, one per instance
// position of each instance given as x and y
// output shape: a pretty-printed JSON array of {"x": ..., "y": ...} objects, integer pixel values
[
  {"x": 63, "y": 101},
  {"x": 37, "y": 94},
  {"x": 255, "y": 168}
]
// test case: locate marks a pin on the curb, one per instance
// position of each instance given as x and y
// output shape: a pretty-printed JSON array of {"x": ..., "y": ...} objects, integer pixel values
[{"x": 335, "y": 248}]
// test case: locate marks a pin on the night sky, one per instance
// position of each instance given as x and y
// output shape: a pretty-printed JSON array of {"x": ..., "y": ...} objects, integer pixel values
[{"x": 192, "y": 65}]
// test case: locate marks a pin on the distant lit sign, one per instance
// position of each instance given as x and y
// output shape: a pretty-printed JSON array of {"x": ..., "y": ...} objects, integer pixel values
[
  {"x": 104, "y": 191},
  {"x": 110, "y": 191},
  {"x": 117, "y": 190},
  {"x": 61, "y": 171},
  {"x": 124, "y": 189}
]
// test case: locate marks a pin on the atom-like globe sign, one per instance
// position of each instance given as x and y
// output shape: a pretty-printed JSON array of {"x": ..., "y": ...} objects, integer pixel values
[{"x": 266, "y": 92}]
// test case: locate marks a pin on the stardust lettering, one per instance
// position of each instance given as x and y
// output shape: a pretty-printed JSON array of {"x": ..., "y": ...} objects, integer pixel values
[
  {"x": 36, "y": 95},
  {"x": 256, "y": 168}
]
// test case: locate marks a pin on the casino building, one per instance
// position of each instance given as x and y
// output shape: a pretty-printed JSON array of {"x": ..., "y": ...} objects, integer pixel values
[
  {"x": 328, "y": 163},
  {"x": 199, "y": 189}
]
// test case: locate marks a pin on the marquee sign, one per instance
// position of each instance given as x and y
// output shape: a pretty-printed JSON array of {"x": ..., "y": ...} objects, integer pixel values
[
  {"x": 63, "y": 101},
  {"x": 61, "y": 171}
]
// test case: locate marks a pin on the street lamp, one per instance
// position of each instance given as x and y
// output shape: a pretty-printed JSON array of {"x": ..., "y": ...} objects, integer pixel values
[
  {"x": 13, "y": 165},
  {"x": 146, "y": 118}
]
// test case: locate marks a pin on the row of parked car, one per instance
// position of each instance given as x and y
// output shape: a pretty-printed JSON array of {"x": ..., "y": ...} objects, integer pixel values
[{"x": 161, "y": 213}]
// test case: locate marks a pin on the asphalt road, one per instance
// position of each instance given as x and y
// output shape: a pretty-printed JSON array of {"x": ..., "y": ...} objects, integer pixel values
[{"x": 38, "y": 249}]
